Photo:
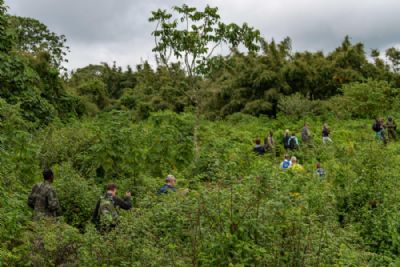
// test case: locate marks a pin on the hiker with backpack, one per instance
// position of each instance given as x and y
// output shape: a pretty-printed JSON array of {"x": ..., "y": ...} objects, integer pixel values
[
  {"x": 258, "y": 148},
  {"x": 378, "y": 128},
  {"x": 391, "y": 129},
  {"x": 286, "y": 163},
  {"x": 43, "y": 199},
  {"x": 286, "y": 137},
  {"x": 105, "y": 215},
  {"x": 293, "y": 142},
  {"x": 325, "y": 134},
  {"x": 269, "y": 142}
]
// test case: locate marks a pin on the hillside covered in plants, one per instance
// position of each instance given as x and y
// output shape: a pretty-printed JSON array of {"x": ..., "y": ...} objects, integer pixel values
[{"x": 196, "y": 115}]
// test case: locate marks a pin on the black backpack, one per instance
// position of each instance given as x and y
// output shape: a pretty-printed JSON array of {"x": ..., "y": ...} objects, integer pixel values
[
  {"x": 376, "y": 127},
  {"x": 292, "y": 143}
]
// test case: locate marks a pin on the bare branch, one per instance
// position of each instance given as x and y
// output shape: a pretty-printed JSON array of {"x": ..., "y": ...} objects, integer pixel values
[{"x": 212, "y": 50}]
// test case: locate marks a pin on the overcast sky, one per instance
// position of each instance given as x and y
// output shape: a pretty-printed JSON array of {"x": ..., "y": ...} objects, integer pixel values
[{"x": 118, "y": 30}]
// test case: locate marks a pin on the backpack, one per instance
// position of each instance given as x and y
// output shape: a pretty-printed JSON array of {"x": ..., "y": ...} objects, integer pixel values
[
  {"x": 285, "y": 164},
  {"x": 108, "y": 215},
  {"x": 376, "y": 127},
  {"x": 292, "y": 143}
]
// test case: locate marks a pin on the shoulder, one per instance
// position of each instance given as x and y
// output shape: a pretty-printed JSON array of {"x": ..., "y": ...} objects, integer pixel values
[
  {"x": 48, "y": 187},
  {"x": 36, "y": 186},
  {"x": 163, "y": 189}
]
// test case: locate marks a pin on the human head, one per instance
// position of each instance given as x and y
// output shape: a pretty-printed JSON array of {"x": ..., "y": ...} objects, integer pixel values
[
  {"x": 305, "y": 124},
  {"x": 390, "y": 118},
  {"x": 325, "y": 125},
  {"x": 293, "y": 159},
  {"x": 318, "y": 165},
  {"x": 287, "y": 131},
  {"x": 271, "y": 133},
  {"x": 112, "y": 189},
  {"x": 287, "y": 156},
  {"x": 258, "y": 141},
  {"x": 170, "y": 179},
  {"x": 48, "y": 175},
  {"x": 293, "y": 134}
]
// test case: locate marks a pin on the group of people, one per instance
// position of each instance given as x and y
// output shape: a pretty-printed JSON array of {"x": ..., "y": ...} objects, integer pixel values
[
  {"x": 292, "y": 164},
  {"x": 290, "y": 140},
  {"x": 44, "y": 202},
  {"x": 385, "y": 131}
]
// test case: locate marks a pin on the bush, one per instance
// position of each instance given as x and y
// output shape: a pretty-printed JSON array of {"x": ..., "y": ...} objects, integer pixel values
[
  {"x": 297, "y": 106},
  {"x": 369, "y": 99},
  {"x": 77, "y": 196}
]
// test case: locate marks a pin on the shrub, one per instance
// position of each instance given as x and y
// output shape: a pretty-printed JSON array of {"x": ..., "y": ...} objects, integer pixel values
[
  {"x": 298, "y": 106},
  {"x": 366, "y": 100}
]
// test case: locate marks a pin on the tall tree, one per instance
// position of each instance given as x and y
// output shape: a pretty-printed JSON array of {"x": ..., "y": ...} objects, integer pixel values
[
  {"x": 5, "y": 36},
  {"x": 191, "y": 37},
  {"x": 393, "y": 54},
  {"x": 32, "y": 36}
]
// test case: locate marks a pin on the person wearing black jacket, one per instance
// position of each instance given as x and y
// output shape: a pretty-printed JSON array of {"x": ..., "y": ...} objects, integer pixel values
[
  {"x": 325, "y": 134},
  {"x": 117, "y": 202},
  {"x": 258, "y": 148},
  {"x": 286, "y": 138}
]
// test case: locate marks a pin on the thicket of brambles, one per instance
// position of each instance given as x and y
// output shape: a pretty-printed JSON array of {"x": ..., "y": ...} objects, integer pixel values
[{"x": 104, "y": 123}]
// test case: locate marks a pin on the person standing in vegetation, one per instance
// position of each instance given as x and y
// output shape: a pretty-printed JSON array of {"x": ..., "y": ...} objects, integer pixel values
[
  {"x": 269, "y": 142},
  {"x": 169, "y": 186},
  {"x": 286, "y": 163},
  {"x": 43, "y": 199},
  {"x": 105, "y": 215},
  {"x": 320, "y": 171},
  {"x": 258, "y": 148},
  {"x": 286, "y": 137},
  {"x": 325, "y": 134},
  {"x": 293, "y": 142},
  {"x": 378, "y": 128},
  {"x": 305, "y": 134},
  {"x": 295, "y": 165},
  {"x": 391, "y": 129}
]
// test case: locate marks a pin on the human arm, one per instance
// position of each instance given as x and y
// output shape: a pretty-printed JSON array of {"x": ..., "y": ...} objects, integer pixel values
[
  {"x": 95, "y": 215},
  {"x": 271, "y": 142},
  {"x": 124, "y": 203},
  {"x": 32, "y": 197}
]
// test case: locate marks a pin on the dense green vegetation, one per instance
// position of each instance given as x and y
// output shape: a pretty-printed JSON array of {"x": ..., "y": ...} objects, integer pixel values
[{"x": 104, "y": 123}]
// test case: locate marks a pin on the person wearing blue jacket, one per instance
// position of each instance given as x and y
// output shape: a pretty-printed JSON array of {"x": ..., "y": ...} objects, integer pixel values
[{"x": 169, "y": 186}]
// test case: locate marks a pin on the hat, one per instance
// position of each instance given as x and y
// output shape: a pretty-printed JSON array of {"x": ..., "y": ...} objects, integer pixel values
[{"x": 170, "y": 178}]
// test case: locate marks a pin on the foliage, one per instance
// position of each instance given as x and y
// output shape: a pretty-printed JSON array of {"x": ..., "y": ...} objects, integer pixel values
[
  {"x": 298, "y": 106},
  {"x": 188, "y": 35},
  {"x": 76, "y": 196},
  {"x": 32, "y": 36},
  {"x": 369, "y": 99}
]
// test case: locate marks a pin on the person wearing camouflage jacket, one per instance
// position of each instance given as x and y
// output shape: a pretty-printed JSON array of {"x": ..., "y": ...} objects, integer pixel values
[{"x": 43, "y": 199}]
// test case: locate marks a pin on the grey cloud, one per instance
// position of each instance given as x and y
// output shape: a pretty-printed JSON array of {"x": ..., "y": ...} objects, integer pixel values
[{"x": 106, "y": 30}]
